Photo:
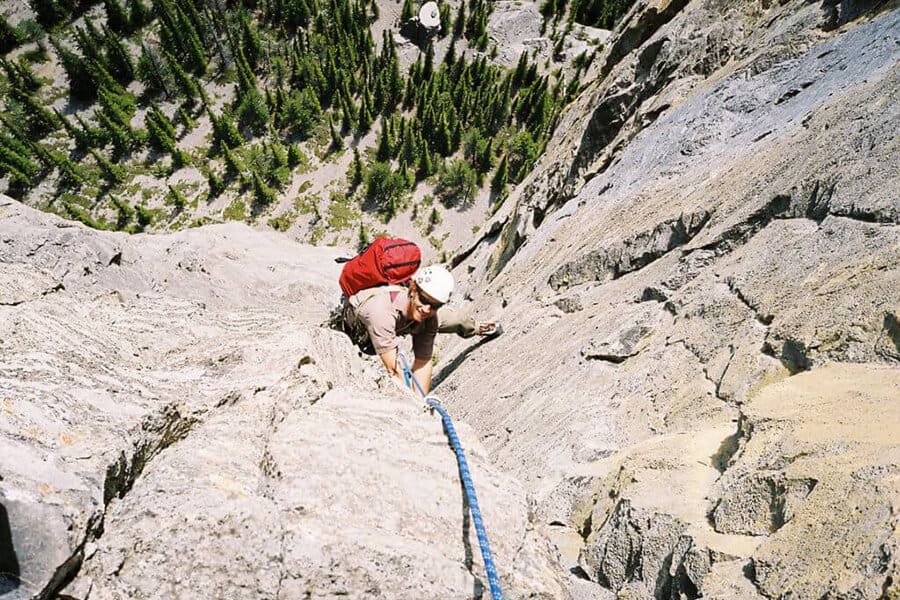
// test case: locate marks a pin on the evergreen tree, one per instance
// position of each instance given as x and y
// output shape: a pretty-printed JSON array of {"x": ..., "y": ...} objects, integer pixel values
[
  {"x": 177, "y": 198},
  {"x": 460, "y": 23},
  {"x": 216, "y": 184},
  {"x": 80, "y": 214},
  {"x": 225, "y": 133},
  {"x": 384, "y": 144},
  {"x": 445, "y": 18},
  {"x": 263, "y": 194},
  {"x": 346, "y": 119},
  {"x": 161, "y": 135},
  {"x": 50, "y": 13},
  {"x": 69, "y": 172},
  {"x": 295, "y": 156},
  {"x": 425, "y": 166},
  {"x": 486, "y": 157},
  {"x": 279, "y": 154},
  {"x": 336, "y": 142},
  {"x": 385, "y": 188},
  {"x": 192, "y": 42},
  {"x": 81, "y": 81},
  {"x": 118, "y": 59},
  {"x": 408, "y": 152},
  {"x": 521, "y": 68},
  {"x": 250, "y": 42},
  {"x": 180, "y": 158},
  {"x": 82, "y": 137},
  {"x": 121, "y": 138},
  {"x": 19, "y": 75},
  {"x": 234, "y": 167},
  {"x": 434, "y": 219},
  {"x": 246, "y": 77},
  {"x": 364, "y": 240},
  {"x": 356, "y": 170},
  {"x": 139, "y": 14},
  {"x": 116, "y": 17},
  {"x": 185, "y": 83},
  {"x": 39, "y": 121},
  {"x": 184, "y": 117},
  {"x": 120, "y": 106},
  {"x": 125, "y": 213},
  {"x": 112, "y": 173},
  {"x": 364, "y": 121},
  {"x": 457, "y": 183},
  {"x": 145, "y": 218},
  {"x": 89, "y": 41},
  {"x": 407, "y": 12},
  {"x": 252, "y": 111},
  {"x": 153, "y": 72},
  {"x": 599, "y": 13},
  {"x": 10, "y": 37},
  {"x": 428, "y": 69},
  {"x": 450, "y": 56},
  {"x": 15, "y": 161},
  {"x": 301, "y": 113},
  {"x": 522, "y": 153}
]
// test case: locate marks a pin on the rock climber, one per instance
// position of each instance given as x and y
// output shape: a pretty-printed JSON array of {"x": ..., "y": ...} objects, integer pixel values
[{"x": 381, "y": 315}]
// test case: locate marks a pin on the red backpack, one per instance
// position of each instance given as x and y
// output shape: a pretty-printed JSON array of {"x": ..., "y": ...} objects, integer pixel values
[{"x": 387, "y": 261}]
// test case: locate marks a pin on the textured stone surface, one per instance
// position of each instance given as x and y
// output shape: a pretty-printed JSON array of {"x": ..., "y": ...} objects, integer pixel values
[
  {"x": 778, "y": 121},
  {"x": 695, "y": 394},
  {"x": 173, "y": 427},
  {"x": 827, "y": 439}
]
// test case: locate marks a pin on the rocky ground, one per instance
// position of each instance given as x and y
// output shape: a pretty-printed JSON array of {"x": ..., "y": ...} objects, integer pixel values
[
  {"x": 178, "y": 423},
  {"x": 696, "y": 394},
  {"x": 703, "y": 277}
]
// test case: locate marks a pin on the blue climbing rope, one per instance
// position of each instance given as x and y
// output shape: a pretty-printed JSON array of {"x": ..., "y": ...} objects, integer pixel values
[{"x": 432, "y": 402}]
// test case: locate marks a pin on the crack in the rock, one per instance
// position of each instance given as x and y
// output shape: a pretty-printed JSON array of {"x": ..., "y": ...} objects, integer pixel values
[
  {"x": 489, "y": 236},
  {"x": 67, "y": 571},
  {"x": 615, "y": 359},
  {"x": 37, "y": 248},
  {"x": 174, "y": 427},
  {"x": 891, "y": 328},
  {"x": 119, "y": 480},
  {"x": 749, "y": 572},
  {"x": 794, "y": 355},
  {"x": 764, "y": 319},
  {"x": 730, "y": 446},
  {"x": 632, "y": 254},
  {"x": 739, "y": 234},
  {"x": 282, "y": 571},
  {"x": 718, "y": 384},
  {"x": 811, "y": 201},
  {"x": 56, "y": 288},
  {"x": 693, "y": 352}
]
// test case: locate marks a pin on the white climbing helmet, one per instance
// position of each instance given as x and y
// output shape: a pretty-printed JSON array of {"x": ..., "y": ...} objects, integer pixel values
[{"x": 436, "y": 281}]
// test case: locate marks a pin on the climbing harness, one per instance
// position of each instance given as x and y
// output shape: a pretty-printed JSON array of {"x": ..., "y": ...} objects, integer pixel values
[{"x": 432, "y": 402}]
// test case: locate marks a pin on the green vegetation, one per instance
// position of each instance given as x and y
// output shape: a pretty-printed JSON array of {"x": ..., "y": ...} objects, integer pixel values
[
  {"x": 305, "y": 72},
  {"x": 283, "y": 222},
  {"x": 457, "y": 183},
  {"x": 342, "y": 212},
  {"x": 594, "y": 13},
  {"x": 236, "y": 211}
]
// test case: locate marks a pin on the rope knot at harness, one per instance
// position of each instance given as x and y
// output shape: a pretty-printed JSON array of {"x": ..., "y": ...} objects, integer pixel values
[{"x": 435, "y": 405}]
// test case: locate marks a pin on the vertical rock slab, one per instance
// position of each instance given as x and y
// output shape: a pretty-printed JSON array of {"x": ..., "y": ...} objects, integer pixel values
[{"x": 821, "y": 465}]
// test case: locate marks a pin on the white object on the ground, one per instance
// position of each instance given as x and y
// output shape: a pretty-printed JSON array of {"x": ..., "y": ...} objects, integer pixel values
[{"x": 429, "y": 15}]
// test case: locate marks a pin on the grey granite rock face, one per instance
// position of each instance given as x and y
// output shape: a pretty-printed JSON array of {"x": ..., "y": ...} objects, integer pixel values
[
  {"x": 178, "y": 423},
  {"x": 695, "y": 394},
  {"x": 777, "y": 122}
]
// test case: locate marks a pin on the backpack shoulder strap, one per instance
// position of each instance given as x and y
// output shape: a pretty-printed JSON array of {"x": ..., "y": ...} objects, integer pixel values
[{"x": 366, "y": 295}]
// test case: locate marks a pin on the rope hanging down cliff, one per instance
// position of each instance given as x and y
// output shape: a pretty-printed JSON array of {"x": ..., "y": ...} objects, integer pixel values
[{"x": 468, "y": 485}]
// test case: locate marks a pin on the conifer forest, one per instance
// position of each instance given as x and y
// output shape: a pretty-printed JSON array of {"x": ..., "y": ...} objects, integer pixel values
[{"x": 145, "y": 115}]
